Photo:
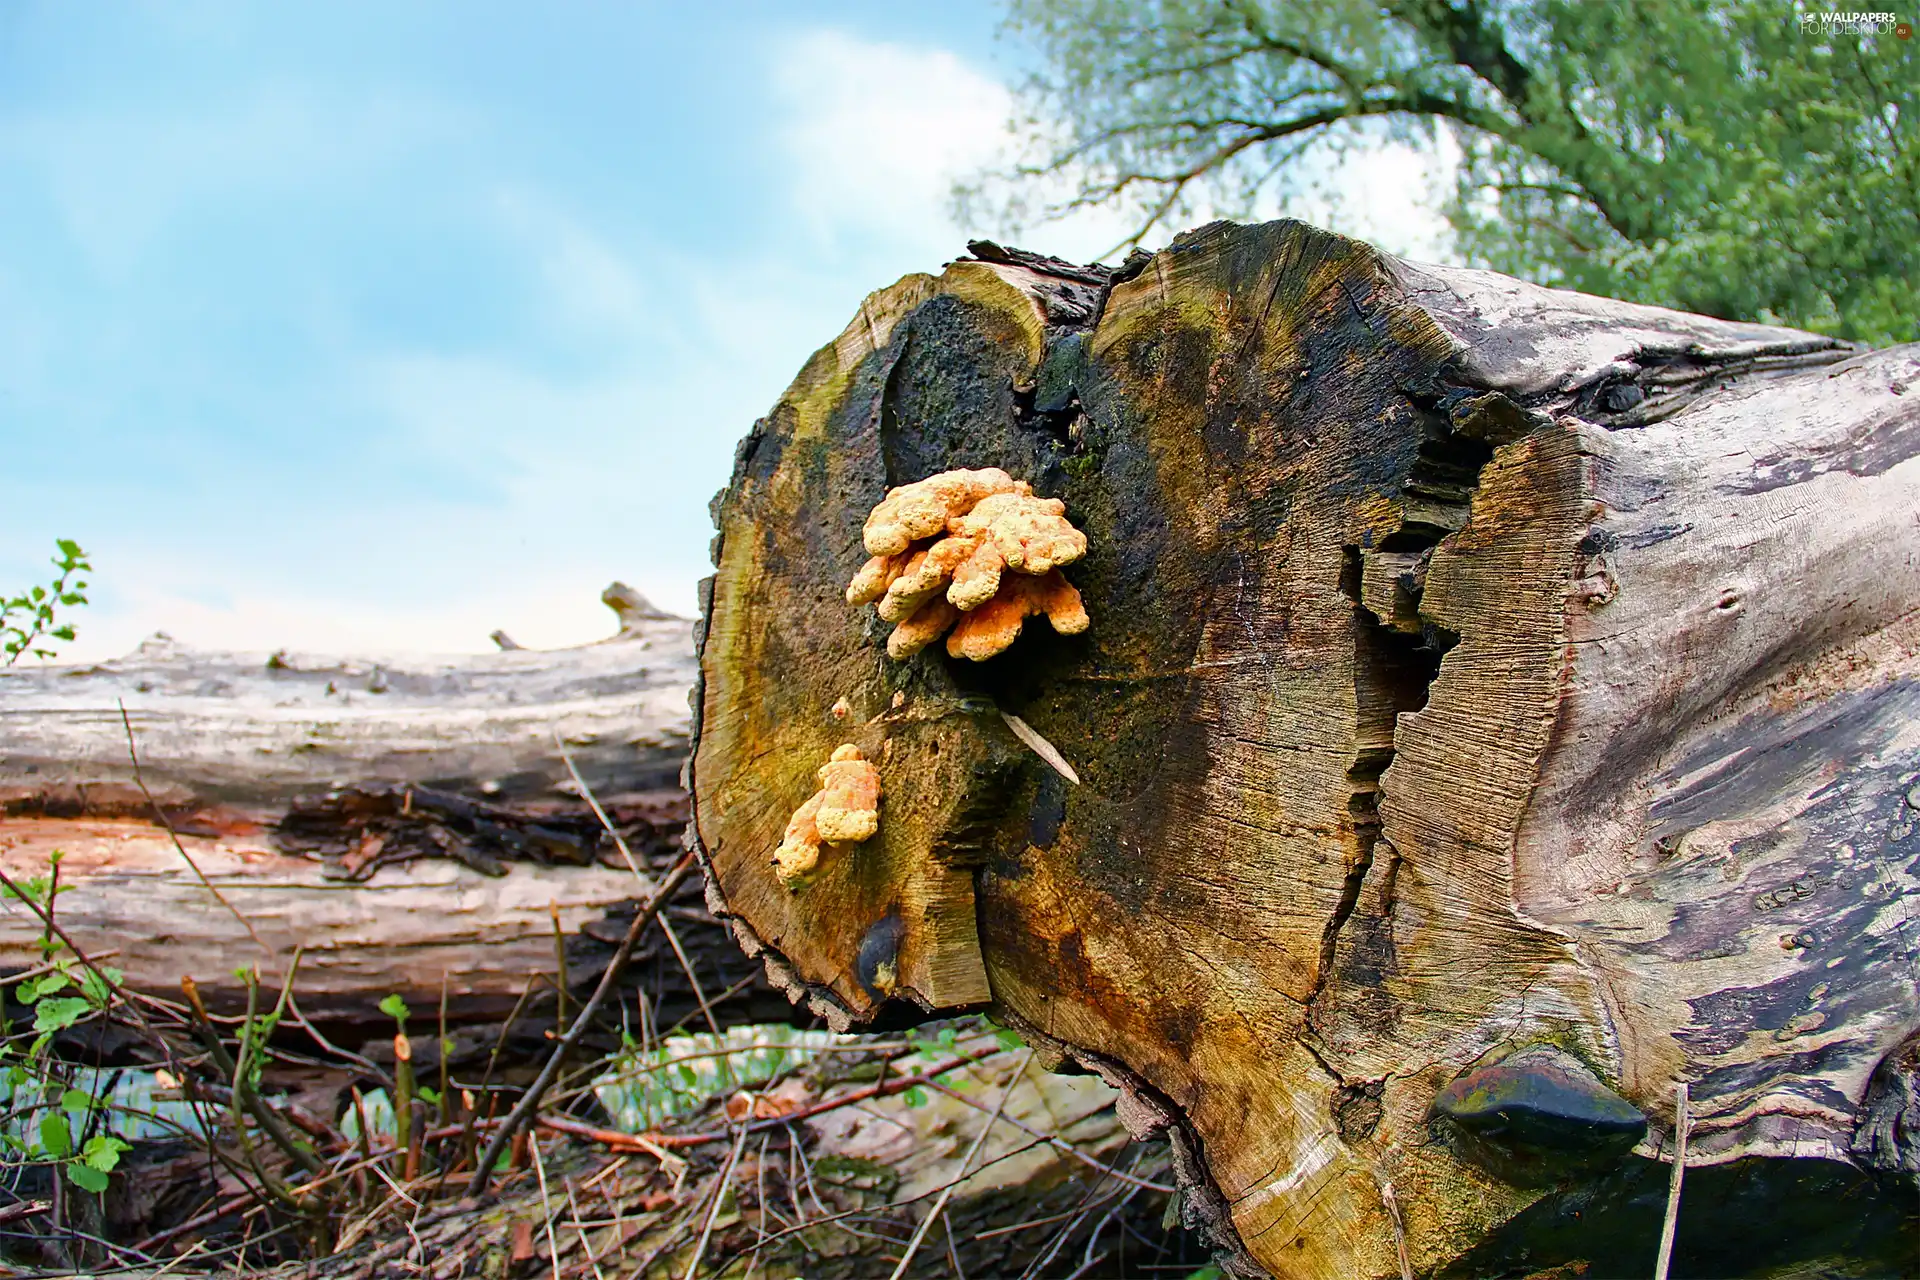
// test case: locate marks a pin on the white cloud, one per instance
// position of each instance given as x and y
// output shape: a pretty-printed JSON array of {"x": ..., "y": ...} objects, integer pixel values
[{"x": 879, "y": 133}]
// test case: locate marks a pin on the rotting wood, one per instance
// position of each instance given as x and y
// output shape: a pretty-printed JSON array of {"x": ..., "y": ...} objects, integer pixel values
[
  {"x": 230, "y": 739},
  {"x": 406, "y": 819},
  {"x": 1474, "y": 667}
]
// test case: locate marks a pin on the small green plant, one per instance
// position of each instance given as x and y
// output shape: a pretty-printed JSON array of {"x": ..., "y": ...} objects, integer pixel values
[
  {"x": 405, "y": 1090},
  {"x": 29, "y": 622},
  {"x": 45, "y": 1118}
]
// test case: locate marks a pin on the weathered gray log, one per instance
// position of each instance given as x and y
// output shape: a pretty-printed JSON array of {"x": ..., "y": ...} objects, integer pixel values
[
  {"x": 249, "y": 733},
  {"x": 1474, "y": 669},
  {"x": 404, "y": 819}
]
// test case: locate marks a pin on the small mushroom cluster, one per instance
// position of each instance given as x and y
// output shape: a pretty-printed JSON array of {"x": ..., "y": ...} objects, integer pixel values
[
  {"x": 845, "y": 810},
  {"x": 973, "y": 553}
]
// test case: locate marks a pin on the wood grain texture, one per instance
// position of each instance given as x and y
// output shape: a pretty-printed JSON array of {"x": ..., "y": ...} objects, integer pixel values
[
  {"x": 333, "y": 799},
  {"x": 251, "y": 732},
  {"x": 1472, "y": 667}
]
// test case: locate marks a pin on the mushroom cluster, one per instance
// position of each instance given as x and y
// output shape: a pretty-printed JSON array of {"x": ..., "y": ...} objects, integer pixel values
[
  {"x": 969, "y": 555},
  {"x": 845, "y": 810}
]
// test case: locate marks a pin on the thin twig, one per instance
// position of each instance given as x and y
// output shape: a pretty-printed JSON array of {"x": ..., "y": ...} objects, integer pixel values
[
  {"x": 529, "y": 1103},
  {"x": 1392, "y": 1202},
  {"x": 546, "y": 1205},
  {"x": 559, "y": 966},
  {"x": 633, "y": 865},
  {"x": 161, "y": 814},
  {"x": 1059, "y": 1143},
  {"x": 586, "y": 1246},
  {"x": 838, "y": 1220},
  {"x": 1672, "y": 1220},
  {"x": 953, "y": 1255},
  {"x": 686, "y": 967},
  {"x": 632, "y": 1142},
  {"x": 946, "y": 1192},
  {"x": 180, "y": 1260},
  {"x": 244, "y": 1093},
  {"x": 39, "y": 970},
  {"x": 235, "y": 1068},
  {"x": 713, "y": 1210},
  {"x": 298, "y": 1019}
]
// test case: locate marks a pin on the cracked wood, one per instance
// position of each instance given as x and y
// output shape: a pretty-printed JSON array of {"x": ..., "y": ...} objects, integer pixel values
[{"x": 1443, "y": 697}]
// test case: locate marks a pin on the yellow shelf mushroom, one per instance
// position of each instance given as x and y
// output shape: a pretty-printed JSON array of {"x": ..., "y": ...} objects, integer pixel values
[
  {"x": 844, "y": 811},
  {"x": 973, "y": 553}
]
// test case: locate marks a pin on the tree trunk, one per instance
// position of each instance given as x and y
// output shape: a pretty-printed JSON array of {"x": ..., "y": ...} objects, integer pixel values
[
  {"x": 403, "y": 822},
  {"x": 1497, "y": 710}
]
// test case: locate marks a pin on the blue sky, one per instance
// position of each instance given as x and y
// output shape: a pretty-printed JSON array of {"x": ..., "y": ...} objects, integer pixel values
[{"x": 381, "y": 326}]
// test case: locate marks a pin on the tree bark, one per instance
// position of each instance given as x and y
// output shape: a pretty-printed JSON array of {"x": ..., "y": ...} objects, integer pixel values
[
  {"x": 402, "y": 821},
  {"x": 1498, "y": 707}
]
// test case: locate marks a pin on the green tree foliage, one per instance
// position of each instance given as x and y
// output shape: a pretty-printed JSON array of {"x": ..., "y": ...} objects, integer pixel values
[{"x": 1732, "y": 157}]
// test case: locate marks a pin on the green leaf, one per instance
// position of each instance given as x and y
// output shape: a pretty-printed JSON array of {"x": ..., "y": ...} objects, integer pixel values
[
  {"x": 103, "y": 1152},
  {"x": 688, "y": 1074},
  {"x": 48, "y": 983},
  {"x": 1009, "y": 1039},
  {"x": 394, "y": 1007},
  {"x": 76, "y": 1100},
  {"x": 60, "y": 1013},
  {"x": 95, "y": 989},
  {"x": 32, "y": 889},
  {"x": 87, "y": 1178},
  {"x": 915, "y": 1096},
  {"x": 56, "y": 1139},
  {"x": 429, "y": 1096}
]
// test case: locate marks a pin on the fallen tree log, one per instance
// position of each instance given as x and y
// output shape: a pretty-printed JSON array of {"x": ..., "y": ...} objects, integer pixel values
[
  {"x": 1498, "y": 709},
  {"x": 402, "y": 821}
]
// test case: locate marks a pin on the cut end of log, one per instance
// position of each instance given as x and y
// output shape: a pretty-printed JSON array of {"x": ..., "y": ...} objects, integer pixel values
[{"x": 1488, "y": 686}]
